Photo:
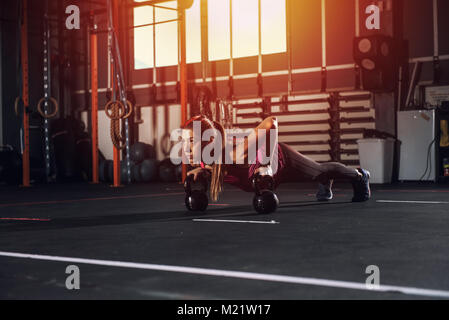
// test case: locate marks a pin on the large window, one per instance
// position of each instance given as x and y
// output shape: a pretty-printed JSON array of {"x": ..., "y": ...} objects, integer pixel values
[
  {"x": 273, "y": 26},
  {"x": 193, "y": 32},
  {"x": 245, "y": 27},
  {"x": 143, "y": 38},
  {"x": 165, "y": 38},
  {"x": 245, "y": 31},
  {"x": 219, "y": 30}
]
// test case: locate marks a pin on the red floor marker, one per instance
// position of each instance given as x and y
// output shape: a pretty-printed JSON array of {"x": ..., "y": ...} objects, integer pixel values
[{"x": 25, "y": 219}]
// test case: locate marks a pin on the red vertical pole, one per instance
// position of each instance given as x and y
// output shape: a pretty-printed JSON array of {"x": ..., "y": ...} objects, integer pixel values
[
  {"x": 182, "y": 42},
  {"x": 26, "y": 121},
  {"x": 116, "y": 153},
  {"x": 94, "y": 97}
]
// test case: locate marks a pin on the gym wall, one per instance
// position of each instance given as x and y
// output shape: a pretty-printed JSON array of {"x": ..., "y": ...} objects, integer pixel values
[
  {"x": 308, "y": 59},
  {"x": 11, "y": 77},
  {"x": 8, "y": 47},
  {"x": 425, "y": 43},
  {"x": 415, "y": 25},
  {"x": 151, "y": 131}
]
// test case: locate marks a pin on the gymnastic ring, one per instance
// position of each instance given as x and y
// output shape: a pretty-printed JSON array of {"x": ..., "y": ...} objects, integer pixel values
[
  {"x": 166, "y": 144},
  {"x": 121, "y": 114},
  {"x": 42, "y": 113},
  {"x": 130, "y": 108},
  {"x": 108, "y": 110},
  {"x": 16, "y": 106}
]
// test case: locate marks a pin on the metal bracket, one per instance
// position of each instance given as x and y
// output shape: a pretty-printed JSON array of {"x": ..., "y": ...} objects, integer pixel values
[
  {"x": 436, "y": 70},
  {"x": 323, "y": 79}
]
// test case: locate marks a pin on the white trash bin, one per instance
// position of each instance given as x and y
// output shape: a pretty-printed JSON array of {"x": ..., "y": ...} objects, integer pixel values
[{"x": 376, "y": 156}]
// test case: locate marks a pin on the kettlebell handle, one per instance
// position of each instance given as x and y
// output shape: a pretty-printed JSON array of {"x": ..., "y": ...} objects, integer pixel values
[{"x": 201, "y": 179}]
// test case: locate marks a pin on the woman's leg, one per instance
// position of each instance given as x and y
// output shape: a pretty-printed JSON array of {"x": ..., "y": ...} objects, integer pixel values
[
  {"x": 300, "y": 166},
  {"x": 321, "y": 172}
]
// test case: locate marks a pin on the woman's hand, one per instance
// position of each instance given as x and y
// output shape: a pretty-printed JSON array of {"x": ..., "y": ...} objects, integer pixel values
[
  {"x": 195, "y": 172},
  {"x": 264, "y": 171}
]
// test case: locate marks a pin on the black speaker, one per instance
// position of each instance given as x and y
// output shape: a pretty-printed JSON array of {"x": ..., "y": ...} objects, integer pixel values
[{"x": 377, "y": 58}]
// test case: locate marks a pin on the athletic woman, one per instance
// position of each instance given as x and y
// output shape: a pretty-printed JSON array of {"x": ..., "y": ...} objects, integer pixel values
[{"x": 292, "y": 166}]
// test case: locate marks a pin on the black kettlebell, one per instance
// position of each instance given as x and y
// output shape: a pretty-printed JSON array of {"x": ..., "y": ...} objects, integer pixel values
[
  {"x": 196, "y": 193},
  {"x": 196, "y": 201},
  {"x": 265, "y": 201}
]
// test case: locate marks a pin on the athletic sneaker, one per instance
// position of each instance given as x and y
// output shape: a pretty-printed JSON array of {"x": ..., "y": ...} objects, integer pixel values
[
  {"x": 362, "y": 190},
  {"x": 324, "y": 192}
]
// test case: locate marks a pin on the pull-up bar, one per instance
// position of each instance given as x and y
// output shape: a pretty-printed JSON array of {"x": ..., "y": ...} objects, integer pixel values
[
  {"x": 182, "y": 4},
  {"x": 138, "y": 26},
  {"x": 147, "y": 3},
  {"x": 162, "y": 7},
  {"x": 153, "y": 24}
]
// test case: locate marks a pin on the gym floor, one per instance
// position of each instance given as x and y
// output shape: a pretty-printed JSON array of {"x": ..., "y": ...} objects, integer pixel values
[{"x": 139, "y": 242}]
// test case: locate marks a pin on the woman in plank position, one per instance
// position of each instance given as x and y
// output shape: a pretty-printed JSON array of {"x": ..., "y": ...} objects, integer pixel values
[{"x": 253, "y": 173}]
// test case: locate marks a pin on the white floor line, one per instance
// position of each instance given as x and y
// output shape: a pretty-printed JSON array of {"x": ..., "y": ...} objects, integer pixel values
[
  {"x": 417, "y": 202},
  {"x": 238, "y": 274},
  {"x": 236, "y": 221}
]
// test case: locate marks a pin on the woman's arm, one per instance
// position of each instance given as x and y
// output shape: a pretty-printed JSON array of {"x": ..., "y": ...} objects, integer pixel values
[
  {"x": 196, "y": 171},
  {"x": 265, "y": 126}
]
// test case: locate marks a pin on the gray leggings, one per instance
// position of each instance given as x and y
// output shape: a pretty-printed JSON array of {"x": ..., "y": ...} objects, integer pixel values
[{"x": 300, "y": 167}]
